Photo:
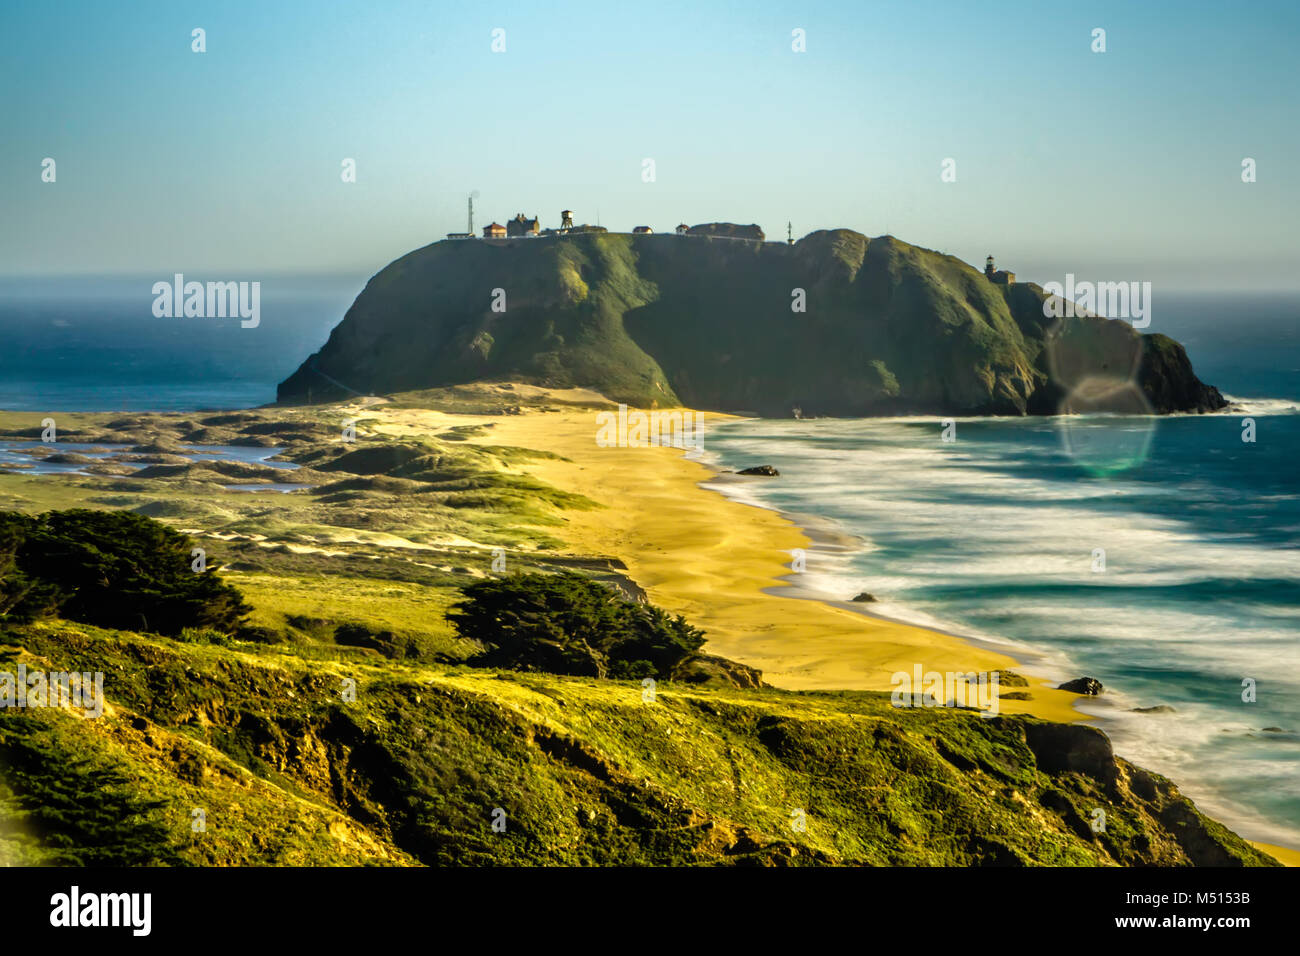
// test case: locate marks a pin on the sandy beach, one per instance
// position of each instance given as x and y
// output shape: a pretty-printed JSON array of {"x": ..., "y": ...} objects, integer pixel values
[{"x": 718, "y": 562}]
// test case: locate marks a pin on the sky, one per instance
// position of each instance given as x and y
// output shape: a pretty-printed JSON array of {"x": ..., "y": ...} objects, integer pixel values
[{"x": 226, "y": 164}]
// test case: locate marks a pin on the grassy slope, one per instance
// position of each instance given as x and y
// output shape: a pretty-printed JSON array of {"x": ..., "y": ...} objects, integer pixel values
[
  {"x": 888, "y": 327},
  {"x": 428, "y": 319},
  {"x": 585, "y": 771}
]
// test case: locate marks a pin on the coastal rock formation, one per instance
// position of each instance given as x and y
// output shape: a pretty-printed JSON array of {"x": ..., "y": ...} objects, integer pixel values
[
  {"x": 1166, "y": 378},
  {"x": 1083, "y": 685},
  {"x": 767, "y": 471},
  {"x": 719, "y": 671},
  {"x": 1072, "y": 748},
  {"x": 836, "y": 324}
]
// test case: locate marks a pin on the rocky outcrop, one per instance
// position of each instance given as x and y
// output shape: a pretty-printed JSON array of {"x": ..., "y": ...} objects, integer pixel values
[
  {"x": 1166, "y": 379},
  {"x": 718, "y": 671},
  {"x": 837, "y": 324},
  {"x": 1089, "y": 686},
  {"x": 1072, "y": 748}
]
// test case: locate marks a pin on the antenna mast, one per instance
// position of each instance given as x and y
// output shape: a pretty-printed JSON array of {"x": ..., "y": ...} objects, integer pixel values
[{"x": 471, "y": 215}]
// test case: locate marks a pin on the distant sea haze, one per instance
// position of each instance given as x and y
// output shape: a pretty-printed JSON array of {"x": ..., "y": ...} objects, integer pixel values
[{"x": 97, "y": 345}]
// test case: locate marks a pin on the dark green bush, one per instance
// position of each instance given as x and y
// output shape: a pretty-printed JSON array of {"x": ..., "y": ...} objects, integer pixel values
[
  {"x": 113, "y": 569},
  {"x": 72, "y": 810},
  {"x": 567, "y": 624}
]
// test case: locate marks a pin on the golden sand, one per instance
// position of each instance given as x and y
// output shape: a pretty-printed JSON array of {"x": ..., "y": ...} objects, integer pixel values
[
  {"x": 1284, "y": 855},
  {"x": 712, "y": 559}
]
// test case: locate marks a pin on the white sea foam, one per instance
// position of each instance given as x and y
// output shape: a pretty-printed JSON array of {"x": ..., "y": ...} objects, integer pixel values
[
  {"x": 1261, "y": 406},
  {"x": 941, "y": 524}
]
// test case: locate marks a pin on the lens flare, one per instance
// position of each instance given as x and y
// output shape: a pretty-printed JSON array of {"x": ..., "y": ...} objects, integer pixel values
[
  {"x": 1089, "y": 347},
  {"x": 1106, "y": 425}
]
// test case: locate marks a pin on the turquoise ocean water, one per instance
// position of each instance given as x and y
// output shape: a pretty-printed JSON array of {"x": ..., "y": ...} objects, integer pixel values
[{"x": 994, "y": 536}]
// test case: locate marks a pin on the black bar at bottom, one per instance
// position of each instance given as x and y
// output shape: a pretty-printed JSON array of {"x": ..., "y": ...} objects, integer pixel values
[{"x": 332, "y": 906}]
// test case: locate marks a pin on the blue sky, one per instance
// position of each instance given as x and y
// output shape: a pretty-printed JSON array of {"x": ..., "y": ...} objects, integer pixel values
[{"x": 1117, "y": 165}]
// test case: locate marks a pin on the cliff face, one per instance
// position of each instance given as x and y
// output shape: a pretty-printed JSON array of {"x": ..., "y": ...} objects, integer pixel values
[{"x": 885, "y": 328}]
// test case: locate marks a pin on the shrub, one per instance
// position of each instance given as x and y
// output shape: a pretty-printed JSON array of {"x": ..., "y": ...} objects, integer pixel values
[
  {"x": 567, "y": 624},
  {"x": 203, "y": 635},
  {"x": 47, "y": 790},
  {"x": 112, "y": 569}
]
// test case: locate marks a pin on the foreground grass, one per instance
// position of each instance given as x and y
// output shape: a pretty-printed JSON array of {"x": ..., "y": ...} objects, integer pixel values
[{"x": 418, "y": 766}]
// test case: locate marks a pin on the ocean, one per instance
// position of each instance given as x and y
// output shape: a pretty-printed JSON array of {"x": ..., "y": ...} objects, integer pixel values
[
  {"x": 1001, "y": 535},
  {"x": 95, "y": 345},
  {"x": 995, "y": 535}
]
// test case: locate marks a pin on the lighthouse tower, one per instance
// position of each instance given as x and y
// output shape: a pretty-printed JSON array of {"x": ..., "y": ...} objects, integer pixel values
[{"x": 999, "y": 276}]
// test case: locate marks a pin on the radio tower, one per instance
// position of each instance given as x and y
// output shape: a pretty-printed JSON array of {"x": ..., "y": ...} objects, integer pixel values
[{"x": 471, "y": 215}]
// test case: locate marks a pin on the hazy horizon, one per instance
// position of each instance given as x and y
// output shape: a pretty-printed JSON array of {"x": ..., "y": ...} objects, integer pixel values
[{"x": 28, "y": 283}]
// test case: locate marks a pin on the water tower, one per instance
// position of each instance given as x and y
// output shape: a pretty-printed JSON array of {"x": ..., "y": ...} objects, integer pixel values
[{"x": 566, "y": 219}]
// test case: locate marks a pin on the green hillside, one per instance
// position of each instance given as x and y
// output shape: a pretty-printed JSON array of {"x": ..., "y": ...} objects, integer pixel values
[
  {"x": 660, "y": 319},
  {"x": 585, "y": 771}
]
